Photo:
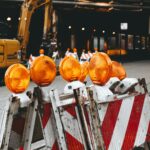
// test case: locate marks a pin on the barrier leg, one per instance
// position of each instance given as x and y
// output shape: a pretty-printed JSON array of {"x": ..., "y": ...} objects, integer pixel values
[
  {"x": 29, "y": 125},
  {"x": 62, "y": 142},
  {"x": 13, "y": 107},
  {"x": 82, "y": 117},
  {"x": 95, "y": 125},
  {"x": 40, "y": 114}
]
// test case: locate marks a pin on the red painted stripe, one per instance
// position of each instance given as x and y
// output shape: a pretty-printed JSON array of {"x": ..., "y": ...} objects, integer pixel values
[
  {"x": 72, "y": 143},
  {"x": 133, "y": 123},
  {"x": 18, "y": 125},
  {"x": 47, "y": 114},
  {"x": 55, "y": 146},
  {"x": 71, "y": 110},
  {"x": 110, "y": 121},
  {"x": 21, "y": 148}
]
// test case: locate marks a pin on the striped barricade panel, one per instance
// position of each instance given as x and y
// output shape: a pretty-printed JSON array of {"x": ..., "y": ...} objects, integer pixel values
[
  {"x": 125, "y": 123},
  {"x": 71, "y": 128},
  {"x": 49, "y": 127},
  {"x": 68, "y": 122}
]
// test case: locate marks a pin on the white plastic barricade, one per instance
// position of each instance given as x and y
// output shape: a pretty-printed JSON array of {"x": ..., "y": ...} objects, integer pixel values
[
  {"x": 71, "y": 122},
  {"x": 122, "y": 123},
  {"x": 84, "y": 120},
  {"x": 29, "y": 127},
  {"x": 40, "y": 113}
]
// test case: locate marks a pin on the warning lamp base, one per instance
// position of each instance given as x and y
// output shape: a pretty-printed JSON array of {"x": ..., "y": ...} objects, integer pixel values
[
  {"x": 102, "y": 94},
  {"x": 23, "y": 98},
  {"x": 112, "y": 83},
  {"x": 45, "y": 93},
  {"x": 126, "y": 85},
  {"x": 73, "y": 85}
]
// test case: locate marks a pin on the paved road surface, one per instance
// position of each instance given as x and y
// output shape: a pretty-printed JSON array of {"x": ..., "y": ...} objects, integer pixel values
[{"x": 137, "y": 69}]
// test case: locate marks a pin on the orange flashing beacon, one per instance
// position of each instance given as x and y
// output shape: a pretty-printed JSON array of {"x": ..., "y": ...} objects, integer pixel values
[
  {"x": 70, "y": 69},
  {"x": 99, "y": 69},
  {"x": 17, "y": 78},
  {"x": 43, "y": 70}
]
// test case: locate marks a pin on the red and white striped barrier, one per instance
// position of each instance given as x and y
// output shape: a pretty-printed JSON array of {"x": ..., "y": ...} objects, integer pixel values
[
  {"x": 68, "y": 122},
  {"x": 31, "y": 59},
  {"x": 85, "y": 56},
  {"x": 49, "y": 128},
  {"x": 72, "y": 129},
  {"x": 125, "y": 123},
  {"x": 73, "y": 122}
]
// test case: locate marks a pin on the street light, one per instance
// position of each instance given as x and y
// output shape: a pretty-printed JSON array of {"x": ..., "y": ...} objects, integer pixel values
[
  {"x": 103, "y": 31},
  {"x": 8, "y": 18},
  {"x": 69, "y": 27},
  {"x": 83, "y": 28}
]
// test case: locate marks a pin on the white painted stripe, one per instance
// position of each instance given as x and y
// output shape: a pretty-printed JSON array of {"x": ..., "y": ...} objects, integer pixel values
[
  {"x": 87, "y": 56},
  {"x": 39, "y": 144},
  {"x": 102, "y": 111},
  {"x": 121, "y": 124},
  {"x": 144, "y": 122},
  {"x": 90, "y": 54},
  {"x": 71, "y": 126},
  {"x": 83, "y": 56},
  {"x": 49, "y": 133}
]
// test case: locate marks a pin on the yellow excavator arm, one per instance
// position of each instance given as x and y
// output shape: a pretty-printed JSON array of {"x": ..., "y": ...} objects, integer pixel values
[{"x": 27, "y": 9}]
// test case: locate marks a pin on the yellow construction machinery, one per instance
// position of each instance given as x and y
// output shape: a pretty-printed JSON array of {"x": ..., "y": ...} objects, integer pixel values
[{"x": 14, "y": 51}]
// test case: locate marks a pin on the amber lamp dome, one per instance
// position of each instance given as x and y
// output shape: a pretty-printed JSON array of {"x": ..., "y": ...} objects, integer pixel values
[
  {"x": 41, "y": 51},
  {"x": 70, "y": 69},
  {"x": 108, "y": 61},
  {"x": 17, "y": 78},
  {"x": 84, "y": 71},
  {"x": 99, "y": 69},
  {"x": 43, "y": 70},
  {"x": 118, "y": 70}
]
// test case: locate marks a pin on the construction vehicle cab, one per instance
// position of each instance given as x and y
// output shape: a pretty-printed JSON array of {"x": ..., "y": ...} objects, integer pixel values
[
  {"x": 9, "y": 52},
  {"x": 14, "y": 50}
]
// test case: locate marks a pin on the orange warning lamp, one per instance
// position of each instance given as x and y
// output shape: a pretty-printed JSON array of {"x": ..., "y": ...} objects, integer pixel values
[
  {"x": 108, "y": 61},
  {"x": 84, "y": 71},
  {"x": 17, "y": 78},
  {"x": 118, "y": 70},
  {"x": 43, "y": 70},
  {"x": 41, "y": 51},
  {"x": 99, "y": 69},
  {"x": 74, "y": 50},
  {"x": 70, "y": 69}
]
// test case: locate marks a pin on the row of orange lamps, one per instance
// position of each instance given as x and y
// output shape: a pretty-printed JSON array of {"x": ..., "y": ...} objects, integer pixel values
[{"x": 43, "y": 71}]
